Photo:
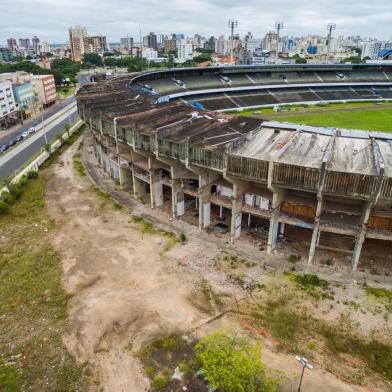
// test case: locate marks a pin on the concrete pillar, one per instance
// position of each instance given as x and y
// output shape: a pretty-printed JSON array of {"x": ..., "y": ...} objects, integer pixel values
[
  {"x": 125, "y": 178},
  {"x": 248, "y": 220},
  {"x": 204, "y": 207},
  {"x": 156, "y": 188},
  {"x": 139, "y": 188},
  {"x": 316, "y": 230},
  {"x": 239, "y": 189},
  {"x": 281, "y": 228},
  {"x": 178, "y": 199},
  {"x": 206, "y": 178},
  {"x": 277, "y": 198},
  {"x": 220, "y": 211},
  {"x": 361, "y": 235}
]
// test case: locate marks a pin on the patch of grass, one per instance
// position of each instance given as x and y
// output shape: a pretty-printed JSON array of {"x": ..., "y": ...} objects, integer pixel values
[
  {"x": 160, "y": 382},
  {"x": 369, "y": 119},
  {"x": 78, "y": 165},
  {"x": 64, "y": 92},
  {"x": 148, "y": 228},
  {"x": 312, "y": 284},
  {"x": 163, "y": 355},
  {"x": 33, "y": 304},
  {"x": 293, "y": 258},
  {"x": 168, "y": 343},
  {"x": 293, "y": 329},
  {"x": 9, "y": 377},
  {"x": 379, "y": 293}
]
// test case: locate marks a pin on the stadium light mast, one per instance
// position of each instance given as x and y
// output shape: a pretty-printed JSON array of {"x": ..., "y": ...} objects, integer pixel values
[
  {"x": 330, "y": 27},
  {"x": 232, "y": 24},
  {"x": 278, "y": 27}
]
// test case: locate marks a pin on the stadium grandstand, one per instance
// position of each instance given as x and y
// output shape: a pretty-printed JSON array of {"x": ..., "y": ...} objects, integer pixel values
[{"x": 161, "y": 136}]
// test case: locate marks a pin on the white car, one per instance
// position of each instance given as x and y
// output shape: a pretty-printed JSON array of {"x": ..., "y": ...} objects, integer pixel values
[
  {"x": 25, "y": 134},
  {"x": 31, "y": 130}
]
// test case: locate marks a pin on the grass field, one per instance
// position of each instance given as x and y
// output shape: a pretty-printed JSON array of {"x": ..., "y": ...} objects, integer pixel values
[
  {"x": 375, "y": 120},
  {"x": 373, "y": 116},
  {"x": 65, "y": 92},
  {"x": 33, "y": 304}
]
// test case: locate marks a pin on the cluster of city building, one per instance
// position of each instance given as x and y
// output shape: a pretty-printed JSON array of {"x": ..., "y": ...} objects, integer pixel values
[
  {"x": 250, "y": 49},
  {"x": 23, "y": 95}
]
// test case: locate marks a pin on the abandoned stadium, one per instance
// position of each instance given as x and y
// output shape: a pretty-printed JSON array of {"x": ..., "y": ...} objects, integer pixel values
[{"x": 163, "y": 137}]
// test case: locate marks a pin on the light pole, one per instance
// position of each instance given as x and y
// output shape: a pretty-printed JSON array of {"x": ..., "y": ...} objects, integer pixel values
[
  {"x": 305, "y": 364},
  {"x": 278, "y": 26},
  {"x": 330, "y": 27},
  {"x": 232, "y": 24},
  {"x": 43, "y": 126}
]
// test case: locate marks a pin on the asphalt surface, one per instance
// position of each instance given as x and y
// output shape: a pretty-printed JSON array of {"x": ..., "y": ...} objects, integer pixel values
[{"x": 13, "y": 164}]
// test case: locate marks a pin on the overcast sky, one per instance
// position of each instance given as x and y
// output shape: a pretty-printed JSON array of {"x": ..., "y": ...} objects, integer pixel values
[{"x": 50, "y": 19}]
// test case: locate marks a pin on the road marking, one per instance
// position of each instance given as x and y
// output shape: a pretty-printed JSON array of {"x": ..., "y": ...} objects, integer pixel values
[{"x": 250, "y": 78}]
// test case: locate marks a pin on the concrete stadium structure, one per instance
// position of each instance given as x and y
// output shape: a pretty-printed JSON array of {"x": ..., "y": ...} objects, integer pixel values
[{"x": 153, "y": 135}]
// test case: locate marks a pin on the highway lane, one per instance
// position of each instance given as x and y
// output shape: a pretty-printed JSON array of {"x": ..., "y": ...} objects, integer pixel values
[
  {"x": 13, "y": 164},
  {"x": 46, "y": 114}
]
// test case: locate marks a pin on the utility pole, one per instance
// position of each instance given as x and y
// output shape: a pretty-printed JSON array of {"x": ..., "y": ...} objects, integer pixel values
[
  {"x": 232, "y": 24},
  {"x": 141, "y": 46},
  {"x": 330, "y": 27},
  {"x": 278, "y": 26},
  {"x": 305, "y": 365},
  {"x": 43, "y": 126}
]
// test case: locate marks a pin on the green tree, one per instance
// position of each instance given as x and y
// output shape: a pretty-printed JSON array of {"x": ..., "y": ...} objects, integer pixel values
[
  {"x": 352, "y": 59},
  {"x": 298, "y": 59},
  {"x": 232, "y": 364},
  {"x": 93, "y": 59}
]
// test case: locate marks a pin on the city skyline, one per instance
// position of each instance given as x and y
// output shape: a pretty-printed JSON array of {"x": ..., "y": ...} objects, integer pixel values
[{"x": 197, "y": 17}]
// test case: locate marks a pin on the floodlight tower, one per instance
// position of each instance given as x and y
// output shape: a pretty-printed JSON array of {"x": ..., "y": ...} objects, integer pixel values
[
  {"x": 330, "y": 27},
  {"x": 232, "y": 24},
  {"x": 278, "y": 27}
]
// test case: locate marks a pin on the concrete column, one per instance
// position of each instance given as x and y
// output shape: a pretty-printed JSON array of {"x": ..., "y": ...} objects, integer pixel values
[
  {"x": 156, "y": 188},
  {"x": 361, "y": 235},
  {"x": 204, "y": 206},
  {"x": 139, "y": 188},
  {"x": 277, "y": 198},
  {"x": 125, "y": 177},
  {"x": 316, "y": 230},
  {"x": 239, "y": 188},
  {"x": 206, "y": 178},
  {"x": 178, "y": 200}
]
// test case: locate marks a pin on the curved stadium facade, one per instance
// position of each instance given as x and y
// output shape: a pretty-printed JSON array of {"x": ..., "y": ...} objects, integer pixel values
[{"x": 162, "y": 135}]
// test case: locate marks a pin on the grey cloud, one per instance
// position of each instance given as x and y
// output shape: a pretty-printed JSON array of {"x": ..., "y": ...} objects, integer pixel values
[{"x": 50, "y": 19}]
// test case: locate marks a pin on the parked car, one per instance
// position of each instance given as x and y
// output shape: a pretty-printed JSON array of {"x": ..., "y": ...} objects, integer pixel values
[
  {"x": 18, "y": 138},
  {"x": 25, "y": 134},
  {"x": 31, "y": 130},
  {"x": 3, "y": 147},
  {"x": 11, "y": 143}
]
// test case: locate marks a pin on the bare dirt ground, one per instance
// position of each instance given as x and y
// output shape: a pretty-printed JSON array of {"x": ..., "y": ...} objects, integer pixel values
[{"x": 126, "y": 290}]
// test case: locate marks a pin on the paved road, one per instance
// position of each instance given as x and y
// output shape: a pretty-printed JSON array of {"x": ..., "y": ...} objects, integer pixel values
[
  {"x": 4, "y": 139},
  {"x": 60, "y": 104},
  {"x": 13, "y": 164}
]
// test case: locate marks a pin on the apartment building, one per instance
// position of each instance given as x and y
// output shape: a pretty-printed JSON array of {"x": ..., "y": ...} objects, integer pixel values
[
  {"x": 79, "y": 42},
  {"x": 44, "y": 89},
  {"x": 7, "y": 102}
]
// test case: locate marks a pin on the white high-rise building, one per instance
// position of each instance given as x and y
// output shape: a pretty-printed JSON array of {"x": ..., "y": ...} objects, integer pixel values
[
  {"x": 372, "y": 48},
  {"x": 185, "y": 51},
  {"x": 221, "y": 45},
  {"x": 7, "y": 99}
]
